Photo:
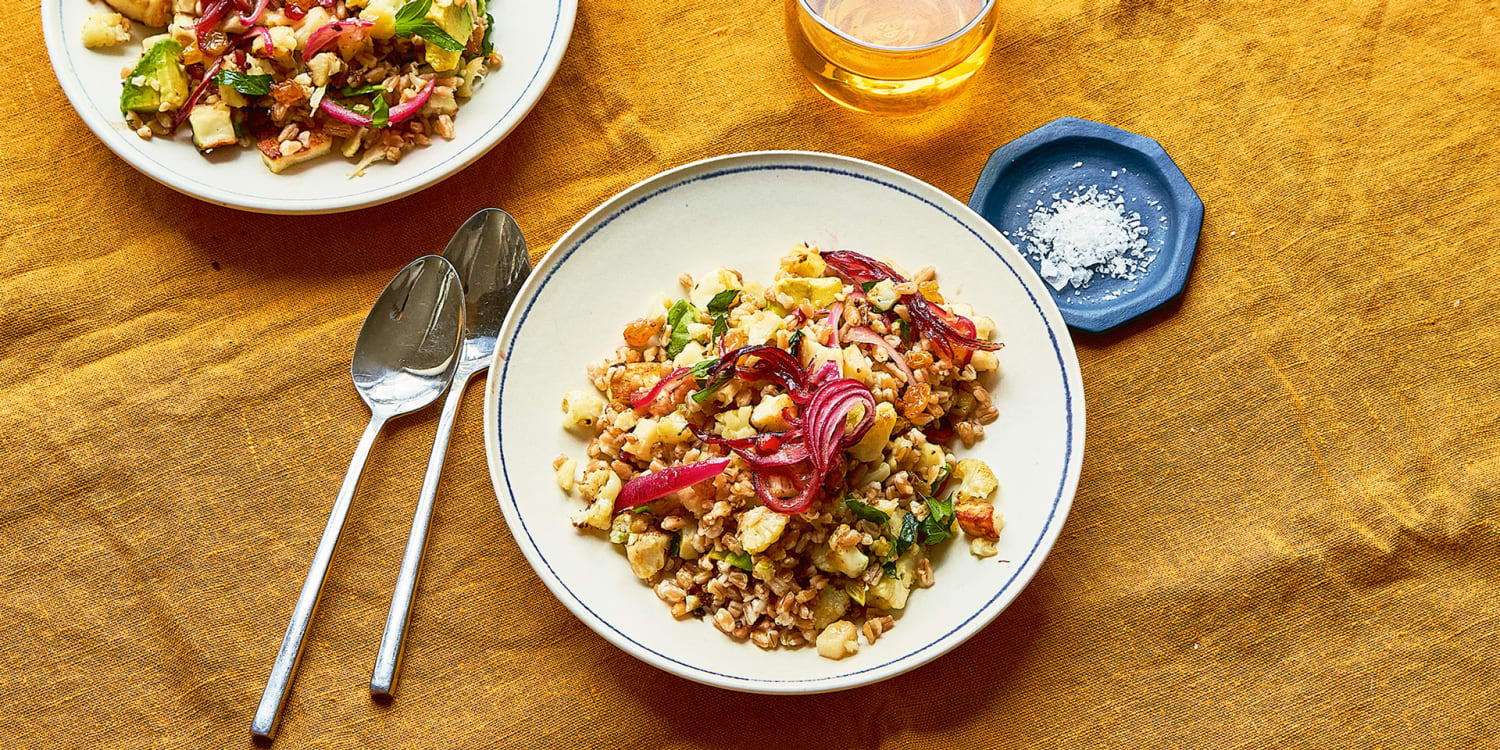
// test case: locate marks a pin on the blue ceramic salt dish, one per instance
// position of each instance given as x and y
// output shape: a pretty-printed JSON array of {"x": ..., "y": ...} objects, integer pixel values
[{"x": 1069, "y": 155}]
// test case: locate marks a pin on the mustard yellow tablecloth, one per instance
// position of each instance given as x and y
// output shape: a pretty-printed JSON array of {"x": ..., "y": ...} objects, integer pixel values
[{"x": 1285, "y": 533}]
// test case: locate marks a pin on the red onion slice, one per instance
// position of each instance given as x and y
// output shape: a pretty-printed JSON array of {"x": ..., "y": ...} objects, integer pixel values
[
  {"x": 253, "y": 15},
  {"x": 652, "y": 485},
  {"x": 398, "y": 113},
  {"x": 835, "y": 321},
  {"x": 328, "y": 34},
  {"x": 866, "y": 336},
  {"x": 187, "y": 106},
  {"x": 257, "y": 32},
  {"x": 807, "y": 492},
  {"x": 670, "y": 379}
]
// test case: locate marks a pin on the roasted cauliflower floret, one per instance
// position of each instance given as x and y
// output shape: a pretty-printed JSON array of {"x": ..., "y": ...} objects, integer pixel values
[
  {"x": 975, "y": 480},
  {"x": 804, "y": 261},
  {"x": 647, "y": 553},
  {"x": 735, "y": 423},
  {"x": 838, "y": 640},
  {"x": 581, "y": 409},
  {"x": 760, "y": 527},
  {"x": 603, "y": 486},
  {"x": 105, "y": 30}
]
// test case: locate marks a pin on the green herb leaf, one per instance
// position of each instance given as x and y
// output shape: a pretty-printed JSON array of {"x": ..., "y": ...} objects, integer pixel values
[
  {"x": 435, "y": 36},
  {"x": 891, "y": 571},
  {"x": 722, "y": 301},
  {"x": 678, "y": 317},
  {"x": 380, "y": 113},
  {"x": 868, "y": 285},
  {"x": 411, "y": 20},
  {"x": 794, "y": 345},
  {"x": 249, "y": 85},
  {"x": 719, "y": 308},
  {"x": 905, "y": 329},
  {"x": 939, "y": 523},
  {"x": 908, "y": 535},
  {"x": 942, "y": 478},
  {"x": 700, "y": 370},
  {"x": 739, "y": 560},
  {"x": 864, "y": 512},
  {"x": 703, "y": 394},
  {"x": 368, "y": 88},
  {"x": 485, "y": 45}
]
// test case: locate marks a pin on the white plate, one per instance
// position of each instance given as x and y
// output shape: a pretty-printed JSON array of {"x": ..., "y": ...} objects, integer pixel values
[
  {"x": 746, "y": 211},
  {"x": 531, "y": 35}
]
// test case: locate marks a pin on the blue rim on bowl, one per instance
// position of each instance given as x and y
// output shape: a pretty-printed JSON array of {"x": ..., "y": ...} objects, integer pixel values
[{"x": 1070, "y": 153}]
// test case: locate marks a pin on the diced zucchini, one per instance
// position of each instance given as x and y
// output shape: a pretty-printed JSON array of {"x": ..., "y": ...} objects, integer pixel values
[{"x": 212, "y": 126}]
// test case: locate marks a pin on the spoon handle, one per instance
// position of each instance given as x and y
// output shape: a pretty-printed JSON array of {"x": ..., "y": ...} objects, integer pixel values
[
  {"x": 268, "y": 714},
  {"x": 393, "y": 640}
]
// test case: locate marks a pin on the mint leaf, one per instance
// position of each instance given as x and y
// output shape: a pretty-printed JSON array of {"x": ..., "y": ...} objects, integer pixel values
[
  {"x": 678, "y": 317},
  {"x": 908, "y": 535},
  {"x": 868, "y": 285},
  {"x": 368, "y": 88},
  {"x": 411, "y": 20},
  {"x": 485, "y": 46},
  {"x": 891, "y": 570},
  {"x": 719, "y": 308},
  {"x": 702, "y": 394},
  {"x": 794, "y": 345},
  {"x": 939, "y": 523},
  {"x": 864, "y": 512},
  {"x": 435, "y": 36},
  {"x": 722, "y": 301},
  {"x": 411, "y": 14},
  {"x": 249, "y": 85},
  {"x": 905, "y": 329},
  {"x": 700, "y": 370},
  {"x": 380, "y": 113}
]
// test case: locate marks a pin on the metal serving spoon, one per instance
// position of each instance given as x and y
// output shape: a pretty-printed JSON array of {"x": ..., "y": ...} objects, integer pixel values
[
  {"x": 490, "y": 255},
  {"x": 404, "y": 359}
]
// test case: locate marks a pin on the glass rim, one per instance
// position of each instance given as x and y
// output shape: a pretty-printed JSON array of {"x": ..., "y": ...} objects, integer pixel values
[{"x": 983, "y": 11}]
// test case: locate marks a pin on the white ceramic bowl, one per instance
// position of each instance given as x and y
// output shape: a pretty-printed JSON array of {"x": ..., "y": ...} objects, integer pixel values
[
  {"x": 746, "y": 211},
  {"x": 531, "y": 35}
]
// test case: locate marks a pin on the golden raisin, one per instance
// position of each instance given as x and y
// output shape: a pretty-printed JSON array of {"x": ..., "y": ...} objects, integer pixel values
[
  {"x": 914, "y": 401},
  {"x": 288, "y": 92},
  {"x": 214, "y": 43},
  {"x": 918, "y": 359},
  {"x": 929, "y": 289},
  {"x": 639, "y": 332}
]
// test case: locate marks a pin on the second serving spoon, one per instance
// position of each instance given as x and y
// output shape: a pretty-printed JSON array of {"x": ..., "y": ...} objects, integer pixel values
[{"x": 490, "y": 255}]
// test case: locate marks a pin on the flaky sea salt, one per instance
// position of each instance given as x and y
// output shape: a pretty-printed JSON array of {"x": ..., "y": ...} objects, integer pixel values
[{"x": 1085, "y": 234}]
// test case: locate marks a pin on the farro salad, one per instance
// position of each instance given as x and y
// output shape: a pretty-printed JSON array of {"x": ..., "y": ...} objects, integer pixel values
[
  {"x": 293, "y": 78},
  {"x": 778, "y": 459}
]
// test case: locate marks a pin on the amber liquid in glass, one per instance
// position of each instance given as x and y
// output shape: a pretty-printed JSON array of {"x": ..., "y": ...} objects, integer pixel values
[{"x": 890, "y": 56}]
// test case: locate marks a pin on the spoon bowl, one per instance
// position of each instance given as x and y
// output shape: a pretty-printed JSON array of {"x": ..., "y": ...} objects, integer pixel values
[
  {"x": 408, "y": 346},
  {"x": 490, "y": 255}
]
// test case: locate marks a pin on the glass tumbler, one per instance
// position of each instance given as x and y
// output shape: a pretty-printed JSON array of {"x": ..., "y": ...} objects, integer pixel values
[{"x": 890, "y": 57}]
